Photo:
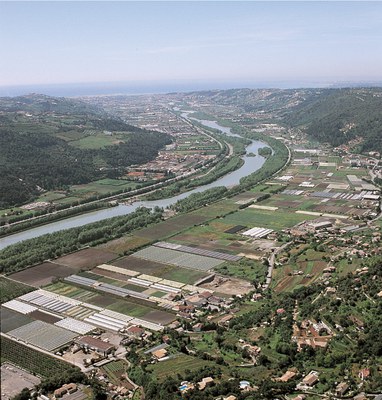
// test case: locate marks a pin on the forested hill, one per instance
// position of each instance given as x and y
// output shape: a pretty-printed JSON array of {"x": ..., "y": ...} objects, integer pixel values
[
  {"x": 335, "y": 116},
  {"x": 338, "y": 116},
  {"x": 49, "y": 143}
]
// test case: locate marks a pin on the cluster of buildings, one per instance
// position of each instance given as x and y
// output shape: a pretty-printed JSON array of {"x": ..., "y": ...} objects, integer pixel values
[{"x": 312, "y": 334}]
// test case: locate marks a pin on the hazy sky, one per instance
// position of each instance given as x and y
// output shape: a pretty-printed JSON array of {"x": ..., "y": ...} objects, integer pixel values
[{"x": 64, "y": 42}]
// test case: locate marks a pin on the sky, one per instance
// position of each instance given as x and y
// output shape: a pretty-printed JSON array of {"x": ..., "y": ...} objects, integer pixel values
[{"x": 56, "y": 42}]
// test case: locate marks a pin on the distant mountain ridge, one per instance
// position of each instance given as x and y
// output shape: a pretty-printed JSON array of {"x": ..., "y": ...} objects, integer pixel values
[{"x": 334, "y": 116}]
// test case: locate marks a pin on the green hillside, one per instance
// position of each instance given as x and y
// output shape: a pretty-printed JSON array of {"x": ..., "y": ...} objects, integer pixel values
[
  {"x": 335, "y": 116},
  {"x": 338, "y": 116},
  {"x": 49, "y": 143}
]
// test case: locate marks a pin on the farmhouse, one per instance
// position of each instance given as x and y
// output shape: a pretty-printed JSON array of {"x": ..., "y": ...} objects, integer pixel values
[
  {"x": 135, "y": 331},
  {"x": 286, "y": 377},
  {"x": 67, "y": 388},
  {"x": 88, "y": 342},
  {"x": 311, "y": 379},
  {"x": 224, "y": 321},
  {"x": 341, "y": 388},
  {"x": 196, "y": 300},
  {"x": 159, "y": 354}
]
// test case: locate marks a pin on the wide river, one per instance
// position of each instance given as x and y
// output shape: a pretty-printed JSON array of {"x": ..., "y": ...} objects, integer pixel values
[{"x": 250, "y": 165}]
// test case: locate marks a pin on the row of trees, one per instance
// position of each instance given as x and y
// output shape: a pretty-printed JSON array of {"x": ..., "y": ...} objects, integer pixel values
[{"x": 32, "y": 251}]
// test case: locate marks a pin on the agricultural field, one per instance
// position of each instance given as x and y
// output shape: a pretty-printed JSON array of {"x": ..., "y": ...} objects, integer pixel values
[
  {"x": 171, "y": 226},
  {"x": 218, "y": 209},
  {"x": 71, "y": 291},
  {"x": 171, "y": 272},
  {"x": 32, "y": 360},
  {"x": 132, "y": 309},
  {"x": 209, "y": 236},
  {"x": 276, "y": 220},
  {"x": 43, "y": 274},
  {"x": 53, "y": 196},
  {"x": 101, "y": 278},
  {"x": 177, "y": 258},
  {"x": 98, "y": 140},
  {"x": 347, "y": 265},
  {"x": 9, "y": 289},
  {"x": 45, "y": 317},
  {"x": 115, "y": 371},
  {"x": 124, "y": 244},
  {"x": 12, "y": 320},
  {"x": 179, "y": 364},
  {"x": 137, "y": 309},
  {"x": 183, "y": 275},
  {"x": 308, "y": 261},
  {"x": 87, "y": 258},
  {"x": 141, "y": 311},
  {"x": 115, "y": 278},
  {"x": 251, "y": 270},
  {"x": 142, "y": 266},
  {"x": 102, "y": 186}
]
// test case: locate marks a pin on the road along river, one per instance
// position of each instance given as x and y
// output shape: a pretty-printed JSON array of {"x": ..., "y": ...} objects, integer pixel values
[{"x": 251, "y": 164}]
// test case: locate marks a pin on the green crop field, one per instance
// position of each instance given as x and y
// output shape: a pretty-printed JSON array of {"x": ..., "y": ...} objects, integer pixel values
[
  {"x": 97, "y": 141},
  {"x": 51, "y": 196},
  {"x": 115, "y": 369},
  {"x": 32, "y": 360},
  {"x": 176, "y": 365},
  {"x": 70, "y": 291},
  {"x": 171, "y": 226},
  {"x": 132, "y": 309},
  {"x": 184, "y": 275},
  {"x": 247, "y": 269},
  {"x": 102, "y": 187},
  {"x": 276, "y": 220},
  {"x": 9, "y": 289}
]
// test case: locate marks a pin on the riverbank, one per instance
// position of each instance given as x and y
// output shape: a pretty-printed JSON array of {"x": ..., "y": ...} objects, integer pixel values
[
  {"x": 250, "y": 164},
  {"x": 26, "y": 253}
]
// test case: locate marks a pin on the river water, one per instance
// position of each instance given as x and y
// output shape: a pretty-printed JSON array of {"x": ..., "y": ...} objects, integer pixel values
[{"x": 251, "y": 164}]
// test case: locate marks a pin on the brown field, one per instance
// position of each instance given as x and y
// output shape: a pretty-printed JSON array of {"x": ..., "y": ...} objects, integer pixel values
[
  {"x": 229, "y": 286},
  {"x": 43, "y": 274},
  {"x": 50, "y": 319},
  {"x": 333, "y": 209},
  {"x": 102, "y": 301},
  {"x": 356, "y": 211},
  {"x": 171, "y": 226},
  {"x": 287, "y": 282},
  {"x": 143, "y": 266},
  {"x": 87, "y": 258},
  {"x": 160, "y": 317},
  {"x": 111, "y": 274},
  {"x": 321, "y": 186},
  {"x": 126, "y": 243}
]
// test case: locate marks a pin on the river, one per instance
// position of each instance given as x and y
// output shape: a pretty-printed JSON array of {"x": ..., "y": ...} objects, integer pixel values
[{"x": 251, "y": 164}]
